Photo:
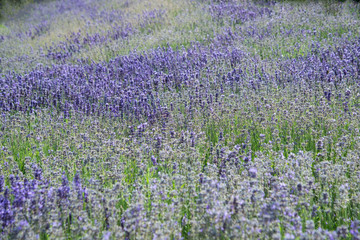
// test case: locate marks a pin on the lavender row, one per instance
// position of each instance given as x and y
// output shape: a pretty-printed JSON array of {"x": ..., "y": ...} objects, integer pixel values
[
  {"x": 236, "y": 12},
  {"x": 249, "y": 200},
  {"x": 128, "y": 85}
]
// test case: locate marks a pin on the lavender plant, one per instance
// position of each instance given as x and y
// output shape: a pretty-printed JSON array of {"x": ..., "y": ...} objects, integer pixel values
[{"x": 180, "y": 120}]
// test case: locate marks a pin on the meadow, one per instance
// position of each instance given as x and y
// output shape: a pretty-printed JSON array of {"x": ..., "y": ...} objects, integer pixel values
[{"x": 180, "y": 119}]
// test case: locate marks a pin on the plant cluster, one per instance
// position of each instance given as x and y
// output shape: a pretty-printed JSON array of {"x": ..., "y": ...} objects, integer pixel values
[{"x": 233, "y": 120}]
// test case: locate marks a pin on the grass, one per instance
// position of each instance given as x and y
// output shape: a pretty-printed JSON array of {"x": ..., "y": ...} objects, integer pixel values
[{"x": 4, "y": 30}]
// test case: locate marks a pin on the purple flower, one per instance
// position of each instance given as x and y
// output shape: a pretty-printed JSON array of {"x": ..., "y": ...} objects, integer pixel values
[
  {"x": 6, "y": 213},
  {"x": 2, "y": 182},
  {"x": 153, "y": 160},
  {"x": 64, "y": 190},
  {"x": 354, "y": 229},
  {"x": 252, "y": 172}
]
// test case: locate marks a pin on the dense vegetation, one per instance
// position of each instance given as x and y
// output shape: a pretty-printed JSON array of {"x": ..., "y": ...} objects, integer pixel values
[{"x": 185, "y": 119}]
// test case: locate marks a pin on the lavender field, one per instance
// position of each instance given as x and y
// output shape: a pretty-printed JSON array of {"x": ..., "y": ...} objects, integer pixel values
[{"x": 180, "y": 119}]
